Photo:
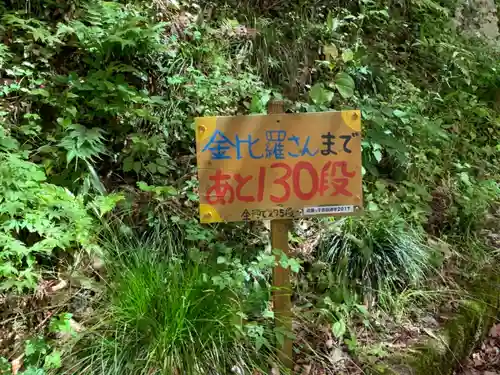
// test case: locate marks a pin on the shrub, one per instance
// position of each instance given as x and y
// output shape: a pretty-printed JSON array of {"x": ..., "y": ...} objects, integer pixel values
[
  {"x": 376, "y": 253},
  {"x": 35, "y": 219},
  {"x": 164, "y": 315}
]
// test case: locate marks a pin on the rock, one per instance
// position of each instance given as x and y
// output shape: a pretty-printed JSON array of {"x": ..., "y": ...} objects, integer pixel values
[
  {"x": 97, "y": 263},
  {"x": 337, "y": 355},
  {"x": 430, "y": 321},
  {"x": 478, "y": 18}
]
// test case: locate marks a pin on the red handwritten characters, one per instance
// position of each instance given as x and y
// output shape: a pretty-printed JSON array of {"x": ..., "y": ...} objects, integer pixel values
[
  {"x": 220, "y": 189},
  {"x": 222, "y": 192},
  {"x": 283, "y": 181},
  {"x": 338, "y": 183},
  {"x": 333, "y": 178},
  {"x": 296, "y": 179},
  {"x": 241, "y": 182}
]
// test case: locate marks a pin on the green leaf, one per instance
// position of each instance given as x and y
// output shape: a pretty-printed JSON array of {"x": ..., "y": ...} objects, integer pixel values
[
  {"x": 5, "y": 367},
  {"x": 362, "y": 309},
  {"x": 128, "y": 163},
  {"x": 7, "y": 142},
  {"x": 398, "y": 113},
  {"x": 320, "y": 95},
  {"x": 40, "y": 92},
  {"x": 465, "y": 178},
  {"x": 259, "y": 102},
  {"x": 280, "y": 338},
  {"x": 33, "y": 371},
  {"x": 35, "y": 346},
  {"x": 268, "y": 314},
  {"x": 52, "y": 361},
  {"x": 144, "y": 186},
  {"x": 137, "y": 166},
  {"x": 72, "y": 110},
  {"x": 377, "y": 154},
  {"x": 347, "y": 55},
  {"x": 294, "y": 265},
  {"x": 8, "y": 270},
  {"x": 106, "y": 203},
  {"x": 339, "y": 328},
  {"x": 221, "y": 260},
  {"x": 345, "y": 84},
  {"x": 62, "y": 324},
  {"x": 331, "y": 51},
  {"x": 261, "y": 341},
  {"x": 151, "y": 167}
]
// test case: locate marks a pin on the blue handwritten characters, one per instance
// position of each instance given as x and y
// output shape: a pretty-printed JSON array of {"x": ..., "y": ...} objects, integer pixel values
[
  {"x": 304, "y": 150},
  {"x": 275, "y": 146}
]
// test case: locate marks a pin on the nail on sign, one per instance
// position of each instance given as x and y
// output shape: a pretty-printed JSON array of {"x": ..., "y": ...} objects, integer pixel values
[{"x": 279, "y": 166}]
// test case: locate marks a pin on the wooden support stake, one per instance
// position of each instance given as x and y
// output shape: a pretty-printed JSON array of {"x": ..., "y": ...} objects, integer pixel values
[{"x": 282, "y": 290}]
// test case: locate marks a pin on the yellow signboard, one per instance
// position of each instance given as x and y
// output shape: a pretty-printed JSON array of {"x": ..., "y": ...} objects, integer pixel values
[{"x": 279, "y": 166}]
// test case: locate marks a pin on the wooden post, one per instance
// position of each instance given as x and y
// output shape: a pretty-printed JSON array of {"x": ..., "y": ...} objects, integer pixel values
[{"x": 282, "y": 290}]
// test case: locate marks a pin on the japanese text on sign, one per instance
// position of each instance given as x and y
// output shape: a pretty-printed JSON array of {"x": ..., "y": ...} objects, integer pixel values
[{"x": 278, "y": 164}]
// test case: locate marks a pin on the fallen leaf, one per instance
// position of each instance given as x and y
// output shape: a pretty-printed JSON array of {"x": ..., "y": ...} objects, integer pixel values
[
  {"x": 17, "y": 364},
  {"x": 306, "y": 369},
  {"x": 495, "y": 331},
  {"x": 60, "y": 285}
]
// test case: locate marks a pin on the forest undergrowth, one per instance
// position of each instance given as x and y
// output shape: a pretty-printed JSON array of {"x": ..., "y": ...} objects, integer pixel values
[{"x": 104, "y": 266}]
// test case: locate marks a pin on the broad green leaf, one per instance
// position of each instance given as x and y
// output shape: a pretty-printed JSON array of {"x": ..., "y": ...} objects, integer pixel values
[
  {"x": 268, "y": 314},
  {"x": 137, "y": 166},
  {"x": 347, "y": 55},
  {"x": 320, "y": 95},
  {"x": 294, "y": 265},
  {"x": 40, "y": 92},
  {"x": 128, "y": 163},
  {"x": 339, "y": 328},
  {"x": 280, "y": 338},
  {"x": 256, "y": 105},
  {"x": 362, "y": 309},
  {"x": 259, "y": 102},
  {"x": 151, "y": 167},
  {"x": 398, "y": 113},
  {"x": 331, "y": 52},
  {"x": 144, "y": 186},
  {"x": 378, "y": 155},
  {"x": 345, "y": 84},
  {"x": 7, "y": 142}
]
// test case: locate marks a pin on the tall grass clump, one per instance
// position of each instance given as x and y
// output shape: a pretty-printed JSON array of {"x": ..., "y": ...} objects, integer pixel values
[
  {"x": 163, "y": 316},
  {"x": 376, "y": 254}
]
